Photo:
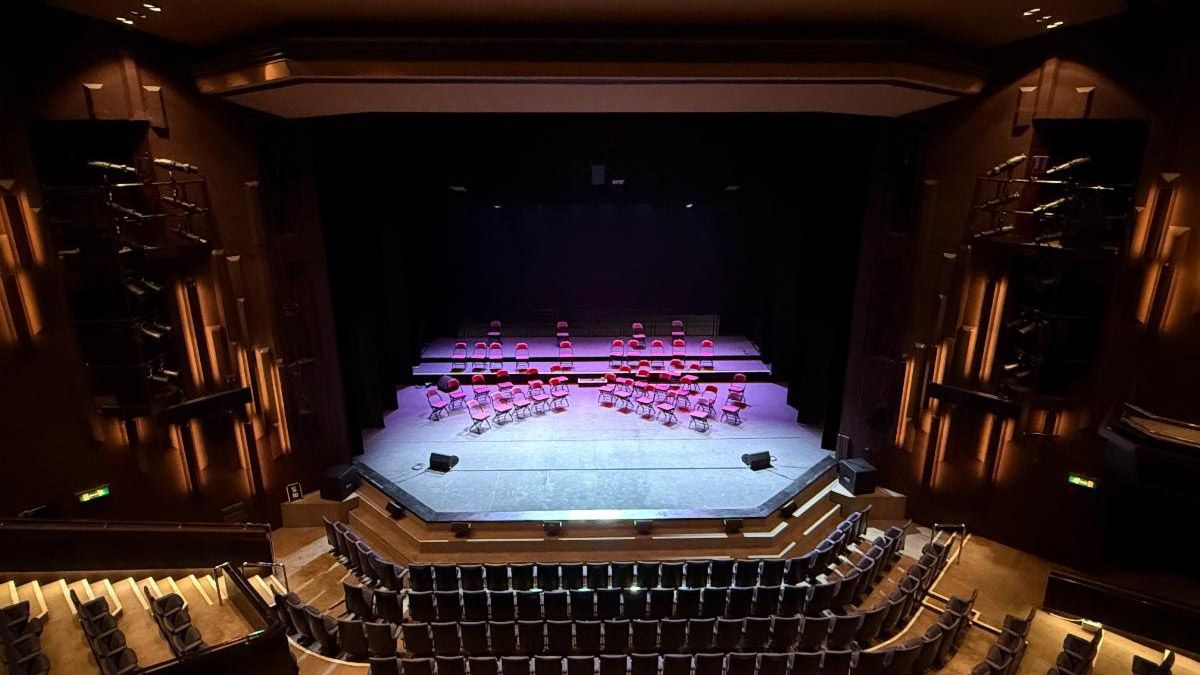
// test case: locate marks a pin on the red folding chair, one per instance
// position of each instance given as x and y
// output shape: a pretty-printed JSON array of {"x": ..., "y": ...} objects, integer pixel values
[
  {"x": 643, "y": 399},
  {"x": 493, "y": 334},
  {"x": 521, "y": 401},
  {"x": 539, "y": 395},
  {"x": 732, "y": 412},
  {"x": 677, "y": 329},
  {"x": 657, "y": 349},
  {"x": 458, "y": 395},
  {"x": 699, "y": 420},
  {"x": 706, "y": 353},
  {"x": 501, "y": 408},
  {"x": 737, "y": 389},
  {"x": 437, "y": 404},
  {"x": 638, "y": 331},
  {"x": 616, "y": 353},
  {"x": 561, "y": 330},
  {"x": 678, "y": 348},
  {"x": 479, "y": 417},
  {"x": 521, "y": 355},
  {"x": 606, "y": 391},
  {"x": 560, "y": 392},
  {"x": 566, "y": 354},
  {"x": 480, "y": 388},
  {"x": 503, "y": 384},
  {"x": 479, "y": 356},
  {"x": 458, "y": 357},
  {"x": 495, "y": 356},
  {"x": 691, "y": 379},
  {"x": 634, "y": 351},
  {"x": 708, "y": 399}
]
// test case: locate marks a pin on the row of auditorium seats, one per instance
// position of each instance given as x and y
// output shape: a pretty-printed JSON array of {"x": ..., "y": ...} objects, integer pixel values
[
  {"x": 1143, "y": 666},
  {"x": 1004, "y": 657},
  {"x": 321, "y": 632},
  {"x": 175, "y": 623},
  {"x": 897, "y": 661},
  {"x": 640, "y": 636},
  {"x": 21, "y": 637},
  {"x": 357, "y": 555},
  {"x": 642, "y": 574},
  {"x": 107, "y": 642}
]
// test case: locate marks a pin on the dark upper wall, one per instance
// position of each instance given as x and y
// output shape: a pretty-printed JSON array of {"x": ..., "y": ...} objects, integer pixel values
[
  {"x": 263, "y": 292},
  {"x": 1006, "y": 474}
]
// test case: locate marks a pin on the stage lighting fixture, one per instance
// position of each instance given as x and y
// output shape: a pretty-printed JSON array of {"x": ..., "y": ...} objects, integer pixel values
[
  {"x": 1027, "y": 328},
  {"x": 688, "y": 205},
  {"x": 496, "y": 206},
  {"x": 618, "y": 181},
  {"x": 643, "y": 526},
  {"x": 135, "y": 289},
  {"x": 460, "y": 529},
  {"x": 732, "y": 525},
  {"x": 553, "y": 528},
  {"x": 458, "y": 188},
  {"x": 733, "y": 187}
]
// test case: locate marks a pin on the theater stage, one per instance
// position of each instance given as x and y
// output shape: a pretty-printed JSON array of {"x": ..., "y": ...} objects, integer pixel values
[{"x": 592, "y": 462}]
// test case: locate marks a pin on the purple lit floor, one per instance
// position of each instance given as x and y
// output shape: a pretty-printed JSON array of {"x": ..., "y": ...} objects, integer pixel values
[{"x": 594, "y": 462}]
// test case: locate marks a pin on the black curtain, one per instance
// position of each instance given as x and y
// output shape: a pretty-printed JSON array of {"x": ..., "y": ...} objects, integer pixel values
[{"x": 435, "y": 218}]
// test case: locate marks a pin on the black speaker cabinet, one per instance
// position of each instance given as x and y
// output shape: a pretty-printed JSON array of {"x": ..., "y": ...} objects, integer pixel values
[
  {"x": 444, "y": 382},
  {"x": 338, "y": 482},
  {"x": 757, "y": 461},
  {"x": 441, "y": 463},
  {"x": 857, "y": 476}
]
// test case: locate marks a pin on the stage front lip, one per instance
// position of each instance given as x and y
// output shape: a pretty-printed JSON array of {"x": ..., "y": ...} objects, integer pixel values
[{"x": 424, "y": 512}]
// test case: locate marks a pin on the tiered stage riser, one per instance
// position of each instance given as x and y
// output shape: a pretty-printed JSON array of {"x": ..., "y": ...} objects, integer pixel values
[
  {"x": 731, "y": 354},
  {"x": 410, "y": 539}
]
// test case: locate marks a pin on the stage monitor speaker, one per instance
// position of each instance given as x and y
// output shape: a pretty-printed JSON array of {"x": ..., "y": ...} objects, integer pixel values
[
  {"x": 553, "y": 528},
  {"x": 857, "y": 476},
  {"x": 732, "y": 525},
  {"x": 395, "y": 510},
  {"x": 643, "y": 526},
  {"x": 460, "y": 529},
  {"x": 338, "y": 482},
  {"x": 441, "y": 463},
  {"x": 444, "y": 383},
  {"x": 757, "y": 461}
]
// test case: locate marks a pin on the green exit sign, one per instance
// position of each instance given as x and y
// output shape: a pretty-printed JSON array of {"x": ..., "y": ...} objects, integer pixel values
[
  {"x": 1082, "y": 481},
  {"x": 93, "y": 494}
]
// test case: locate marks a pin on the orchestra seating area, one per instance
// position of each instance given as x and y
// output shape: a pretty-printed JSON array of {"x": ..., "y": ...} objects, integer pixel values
[{"x": 863, "y": 601}]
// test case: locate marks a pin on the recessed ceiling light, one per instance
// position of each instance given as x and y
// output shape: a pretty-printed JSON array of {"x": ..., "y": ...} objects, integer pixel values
[
  {"x": 732, "y": 188},
  {"x": 618, "y": 181},
  {"x": 495, "y": 206},
  {"x": 1056, "y": 24},
  {"x": 458, "y": 188},
  {"x": 140, "y": 15},
  {"x": 688, "y": 205},
  {"x": 127, "y": 22},
  {"x": 1031, "y": 11},
  {"x": 151, "y": 7}
]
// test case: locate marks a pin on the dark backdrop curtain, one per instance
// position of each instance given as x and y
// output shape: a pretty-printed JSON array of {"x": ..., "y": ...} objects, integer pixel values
[{"x": 770, "y": 241}]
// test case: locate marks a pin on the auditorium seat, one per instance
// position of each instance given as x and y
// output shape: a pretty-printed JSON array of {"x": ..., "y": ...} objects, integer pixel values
[
  {"x": 813, "y": 633},
  {"x": 710, "y": 664},
  {"x": 417, "y": 639},
  {"x": 450, "y": 665},
  {"x": 676, "y": 664},
  {"x": 806, "y": 663},
  {"x": 521, "y": 355},
  {"x": 483, "y": 665},
  {"x": 871, "y": 663},
  {"x": 322, "y": 631},
  {"x": 1143, "y": 666},
  {"x": 479, "y": 356},
  {"x": 772, "y": 664},
  {"x": 836, "y": 662},
  {"x": 381, "y": 638},
  {"x": 643, "y": 664},
  {"x": 755, "y": 634},
  {"x": 514, "y": 665},
  {"x": 741, "y": 664},
  {"x": 446, "y": 641},
  {"x": 616, "y": 635},
  {"x": 729, "y": 634},
  {"x": 417, "y": 666},
  {"x": 495, "y": 329},
  {"x": 785, "y": 631},
  {"x": 707, "y": 354},
  {"x": 124, "y": 662}
]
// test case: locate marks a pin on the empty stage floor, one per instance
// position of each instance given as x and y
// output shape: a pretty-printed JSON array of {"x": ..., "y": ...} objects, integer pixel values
[{"x": 592, "y": 462}]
